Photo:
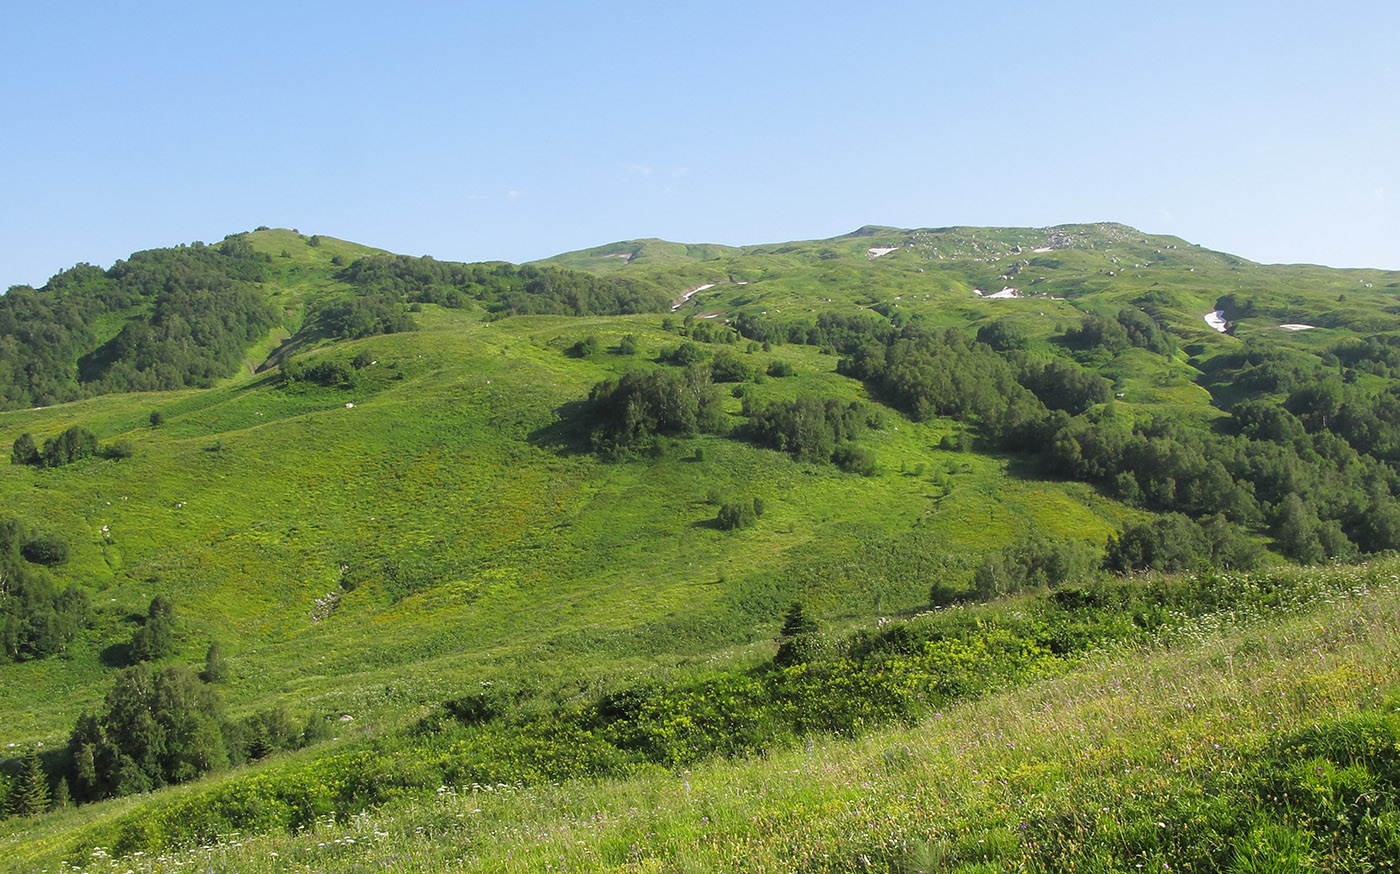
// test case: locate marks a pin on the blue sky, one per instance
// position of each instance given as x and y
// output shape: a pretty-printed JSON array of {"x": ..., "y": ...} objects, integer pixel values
[{"x": 474, "y": 131}]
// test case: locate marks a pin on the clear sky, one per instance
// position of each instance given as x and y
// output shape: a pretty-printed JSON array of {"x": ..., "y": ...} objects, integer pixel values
[{"x": 475, "y": 131}]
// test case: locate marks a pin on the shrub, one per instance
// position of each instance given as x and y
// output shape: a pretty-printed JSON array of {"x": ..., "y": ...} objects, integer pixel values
[
  {"x": 74, "y": 444},
  {"x": 215, "y": 668},
  {"x": 156, "y": 637},
  {"x": 739, "y": 514},
  {"x": 585, "y": 348},
  {"x": 24, "y": 451},
  {"x": 728, "y": 367},
  {"x": 157, "y": 418},
  {"x": 118, "y": 450},
  {"x": 780, "y": 368},
  {"x": 856, "y": 459},
  {"x": 46, "y": 549}
]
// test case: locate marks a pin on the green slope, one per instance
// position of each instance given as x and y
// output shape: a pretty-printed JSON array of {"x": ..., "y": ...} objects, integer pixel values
[{"x": 370, "y": 551}]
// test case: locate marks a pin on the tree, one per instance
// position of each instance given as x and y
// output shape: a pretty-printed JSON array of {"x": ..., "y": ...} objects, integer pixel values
[
  {"x": 74, "y": 444},
  {"x": 45, "y": 549},
  {"x": 215, "y": 669},
  {"x": 159, "y": 727},
  {"x": 729, "y": 367},
  {"x": 24, "y": 451},
  {"x": 31, "y": 792},
  {"x": 796, "y": 621},
  {"x": 739, "y": 514},
  {"x": 1296, "y": 530},
  {"x": 156, "y": 637},
  {"x": 802, "y": 640},
  {"x": 1003, "y": 335}
]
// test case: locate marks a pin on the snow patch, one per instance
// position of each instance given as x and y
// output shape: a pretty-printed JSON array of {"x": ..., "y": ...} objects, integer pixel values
[
  {"x": 877, "y": 251},
  {"x": 689, "y": 294},
  {"x": 1004, "y": 294},
  {"x": 1044, "y": 249},
  {"x": 1217, "y": 320},
  {"x": 1296, "y": 327}
]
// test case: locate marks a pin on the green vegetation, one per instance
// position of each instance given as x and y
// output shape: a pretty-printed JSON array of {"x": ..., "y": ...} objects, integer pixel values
[
  {"x": 547, "y": 536},
  {"x": 163, "y": 319}
]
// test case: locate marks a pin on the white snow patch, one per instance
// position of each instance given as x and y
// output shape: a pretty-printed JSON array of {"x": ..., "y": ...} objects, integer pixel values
[
  {"x": 1216, "y": 320},
  {"x": 979, "y": 292},
  {"x": 1004, "y": 294},
  {"x": 1044, "y": 249},
  {"x": 877, "y": 251},
  {"x": 1296, "y": 327},
  {"x": 689, "y": 294}
]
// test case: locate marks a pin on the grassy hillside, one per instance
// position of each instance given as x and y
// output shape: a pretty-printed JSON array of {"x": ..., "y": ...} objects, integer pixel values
[
  {"x": 1173, "y": 756},
  {"x": 438, "y": 516}
]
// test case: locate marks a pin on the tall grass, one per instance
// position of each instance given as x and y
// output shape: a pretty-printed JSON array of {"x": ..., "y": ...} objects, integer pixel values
[{"x": 1175, "y": 755}]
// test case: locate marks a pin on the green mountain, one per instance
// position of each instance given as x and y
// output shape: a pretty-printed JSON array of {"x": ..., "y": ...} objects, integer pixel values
[{"x": 427, "y": 510}]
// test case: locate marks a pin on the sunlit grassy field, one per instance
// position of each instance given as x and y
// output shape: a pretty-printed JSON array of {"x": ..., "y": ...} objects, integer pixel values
[
  {"x": 1169, "y": 756},
  {"x": 366, "y": 553}
]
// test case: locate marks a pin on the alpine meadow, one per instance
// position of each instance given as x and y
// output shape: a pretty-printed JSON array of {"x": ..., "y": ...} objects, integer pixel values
[{"x": 1064, "y": 549}]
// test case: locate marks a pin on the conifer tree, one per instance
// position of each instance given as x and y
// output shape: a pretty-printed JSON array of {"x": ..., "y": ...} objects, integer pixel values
[{"x": 31, "y": 794}]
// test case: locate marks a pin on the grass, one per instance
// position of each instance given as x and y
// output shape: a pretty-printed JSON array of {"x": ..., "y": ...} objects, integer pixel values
[
  {"x": 470, "y": 538},
  {"x": 1162, "y": 756},
  {"x": 475, "y": 532}
]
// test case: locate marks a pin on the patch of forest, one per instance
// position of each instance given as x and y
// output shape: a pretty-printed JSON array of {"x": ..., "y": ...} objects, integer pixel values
[{"x": 187, "y": 314}]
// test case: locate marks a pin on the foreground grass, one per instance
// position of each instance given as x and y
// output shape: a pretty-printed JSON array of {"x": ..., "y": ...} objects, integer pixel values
[{"x": 1246, "y": 743}]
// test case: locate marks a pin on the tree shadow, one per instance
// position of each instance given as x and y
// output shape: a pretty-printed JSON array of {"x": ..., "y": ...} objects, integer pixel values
[
  {"x": 568, "y": 435},
  {"x": 307, "y": 337},
  {"x": 118, "y": 655}
]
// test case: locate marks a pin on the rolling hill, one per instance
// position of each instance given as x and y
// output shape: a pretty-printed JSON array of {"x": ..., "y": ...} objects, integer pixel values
[{"x": 383, "y": 483}]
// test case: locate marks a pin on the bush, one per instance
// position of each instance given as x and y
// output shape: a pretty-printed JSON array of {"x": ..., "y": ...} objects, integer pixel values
[
  {"x": 215, "y": 668},
  {"x": 739, "y": 514},
  {"x": 156, "y": 637},
  {"x": 728, "y": 367},
  {"x": 628, "y": 345},
  {"x": 74, "y": 444},
  {"x": 24, "y": 451},
  {"x": 157, "y": 418},
  {"x": 585, "y": 348},
  {"x": 46, "y": 549},
  {"x": 159, "y": 727},
  {"x": 780, "y": 368},
  {"x": 118, "y": 450},
  {"x": 856, "y": 459}
]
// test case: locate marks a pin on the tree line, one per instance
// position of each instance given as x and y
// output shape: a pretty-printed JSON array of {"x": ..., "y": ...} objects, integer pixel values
[{"x": 503, "y": 288}]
